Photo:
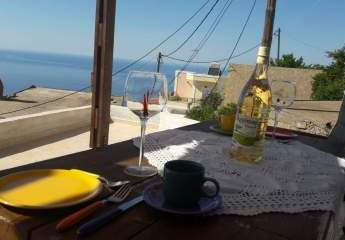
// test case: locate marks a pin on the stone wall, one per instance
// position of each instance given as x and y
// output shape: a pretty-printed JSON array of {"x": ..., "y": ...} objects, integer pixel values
[{"x": 231, "y": 86}]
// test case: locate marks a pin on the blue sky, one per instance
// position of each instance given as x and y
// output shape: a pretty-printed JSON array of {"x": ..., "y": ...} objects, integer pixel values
[{"x": 67, "y": 26}]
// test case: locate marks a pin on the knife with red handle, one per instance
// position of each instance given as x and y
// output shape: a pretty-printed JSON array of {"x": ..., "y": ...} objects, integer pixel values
[
  {"x": 76, "y": 217},
  {"x": 71, "y": 220}
]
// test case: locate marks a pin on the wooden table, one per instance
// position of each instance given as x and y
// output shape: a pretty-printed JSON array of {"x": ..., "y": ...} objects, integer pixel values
[{"x": 142, "y": 222}]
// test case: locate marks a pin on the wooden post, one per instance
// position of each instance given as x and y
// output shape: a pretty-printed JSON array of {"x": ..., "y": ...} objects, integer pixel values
[
  {"x": 278, "y": 50},
  {"x": 337, "y": 135},
  {"x": 159, "y": 58},
  {"x": 102, "y": 72},
  {"x": 269, "y": 22},
  {"x": 1, "y": 89}
]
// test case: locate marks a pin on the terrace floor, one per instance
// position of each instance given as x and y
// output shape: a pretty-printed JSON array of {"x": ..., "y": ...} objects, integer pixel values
[
  {"x": 71, "y": 142},
  {"x": 120, "y": 130}
]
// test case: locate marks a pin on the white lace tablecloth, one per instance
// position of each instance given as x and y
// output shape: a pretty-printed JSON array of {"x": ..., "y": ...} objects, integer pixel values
[{"x": 291, "y": 177}]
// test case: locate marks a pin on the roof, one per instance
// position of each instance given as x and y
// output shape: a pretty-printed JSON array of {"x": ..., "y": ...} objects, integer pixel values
[{"x": 199, "y": 77}]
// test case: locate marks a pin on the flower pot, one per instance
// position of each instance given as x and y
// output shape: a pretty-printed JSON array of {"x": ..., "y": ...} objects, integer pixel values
[{"x": 227, "y": 122}]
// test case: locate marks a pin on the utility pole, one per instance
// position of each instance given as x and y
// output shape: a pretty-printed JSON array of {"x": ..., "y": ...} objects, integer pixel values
[
  {"x": 159, "y": 59},
  {"x": 278, "y": 50}
]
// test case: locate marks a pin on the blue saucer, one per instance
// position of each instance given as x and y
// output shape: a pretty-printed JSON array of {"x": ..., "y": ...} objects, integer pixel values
[{"x": 154, "y": 197}]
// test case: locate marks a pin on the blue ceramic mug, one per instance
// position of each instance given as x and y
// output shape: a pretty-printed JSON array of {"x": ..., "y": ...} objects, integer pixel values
[{"x": 184, "y": 183}]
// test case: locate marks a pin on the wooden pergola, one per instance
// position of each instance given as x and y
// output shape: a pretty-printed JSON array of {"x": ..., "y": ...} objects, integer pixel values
[
  {"x": 103, "y": 62},
  {"x": 101, "y": 77}
]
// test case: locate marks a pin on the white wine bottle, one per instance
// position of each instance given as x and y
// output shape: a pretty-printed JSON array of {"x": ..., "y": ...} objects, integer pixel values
[
  {"x": 255, "y": 101},
  {"x": 252, "y": 114}
]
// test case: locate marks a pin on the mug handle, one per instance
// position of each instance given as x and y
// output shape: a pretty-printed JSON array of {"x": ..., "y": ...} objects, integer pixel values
[{"x": 216, "y": 184}]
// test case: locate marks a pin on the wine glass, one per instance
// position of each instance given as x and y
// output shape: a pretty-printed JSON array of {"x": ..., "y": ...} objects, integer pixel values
[
  {"x": 145, "y": 95},
  {"x": 283, "y": 96}
]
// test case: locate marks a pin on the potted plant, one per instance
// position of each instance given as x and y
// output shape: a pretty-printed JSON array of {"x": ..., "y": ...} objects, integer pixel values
[
  {"x": 206, "y": 111},
  {"x": 226, "y": 117}
]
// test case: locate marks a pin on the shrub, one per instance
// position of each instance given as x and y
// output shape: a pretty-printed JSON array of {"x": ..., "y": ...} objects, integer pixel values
[
  {"x": 329, "y": 84},
  {"x": 213, "y": 100},
  {"x": 207, "y": 108},
  {"x": 228, "y": 109},
  {"x": 201, "y": 113}
]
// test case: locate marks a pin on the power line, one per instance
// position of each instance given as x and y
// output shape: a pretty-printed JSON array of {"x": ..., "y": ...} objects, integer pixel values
[
  {"x": 162, "y": 42},
  {"x": 240, "y": 36},
  {"x": 215, "y": 23},
  {"x": 122, "y": 69},
  {"x": 195, "y": 30},
  {"x": 217, "y": 60},
  {"x": 237, "y": 41},
  {"x": 205, "y": 38},
  {"x": 129, "y": 65},
  {"x": 50, "y": 101},
  {"x": 143, "y": 65},
  {"x": 306, "y": 44}
]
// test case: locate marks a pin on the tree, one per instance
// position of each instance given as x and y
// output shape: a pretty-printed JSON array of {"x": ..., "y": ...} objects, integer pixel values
[
  {"x": 289, "y": 61},
  {"x": 329, "y": 85}
]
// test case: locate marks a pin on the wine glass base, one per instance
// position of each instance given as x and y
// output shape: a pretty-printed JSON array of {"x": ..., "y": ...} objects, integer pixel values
[{"x": 141, "y": 171}]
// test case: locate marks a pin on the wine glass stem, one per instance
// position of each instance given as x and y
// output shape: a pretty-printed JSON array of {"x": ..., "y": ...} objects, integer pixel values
[
  {"x": 276, "y": 112},
  {"x": 143, "y": 123}
]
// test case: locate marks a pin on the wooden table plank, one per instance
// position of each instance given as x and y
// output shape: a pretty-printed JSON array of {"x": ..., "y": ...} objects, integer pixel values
[
  {"x": 277, "y": 225},
  {"x": 124, "y": 227},
  {"x": 211, "y": 227},
  {"x": 150, "y": 224},
  {"x": 174, "y": 227},
  {"x": 145, "y": 223}
]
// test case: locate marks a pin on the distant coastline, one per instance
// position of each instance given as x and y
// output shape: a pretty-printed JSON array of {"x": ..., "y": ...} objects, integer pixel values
[{"x": 20, "y": 69}]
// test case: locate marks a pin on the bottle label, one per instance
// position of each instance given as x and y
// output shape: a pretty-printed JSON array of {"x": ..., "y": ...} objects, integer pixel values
[
  {"x": 246, "y": 129},
  {"x": 263, "y": 51}
]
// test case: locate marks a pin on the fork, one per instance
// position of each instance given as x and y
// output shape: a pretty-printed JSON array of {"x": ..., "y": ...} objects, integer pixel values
[
  {"x": 111, "y": 184},
  {"x": 106, "y": 182},
  {"x": 117, "y": 197}
]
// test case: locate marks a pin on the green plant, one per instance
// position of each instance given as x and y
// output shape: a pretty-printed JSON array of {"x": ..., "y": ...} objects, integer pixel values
[
  {"x": 207, "y": 108},
  {"x": 228, "y": 109},
  {"x": 288, "y": 60},
  {"x": 213, "y": 100},
  {"x": 201, "y": 113},
  {"x": 329, "y": 84}
]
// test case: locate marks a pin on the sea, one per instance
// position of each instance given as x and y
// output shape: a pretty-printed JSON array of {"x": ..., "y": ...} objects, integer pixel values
[{"x": 22, "y": 69}]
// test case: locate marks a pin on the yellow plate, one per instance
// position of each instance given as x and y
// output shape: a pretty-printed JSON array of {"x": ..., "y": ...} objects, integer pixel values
[{"x": 48, "y": 188}]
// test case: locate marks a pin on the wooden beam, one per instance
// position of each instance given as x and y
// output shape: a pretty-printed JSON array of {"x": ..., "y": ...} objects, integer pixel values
[
  {"x": 102, "y": 72},
  {"x": 337, "y": 135}
]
